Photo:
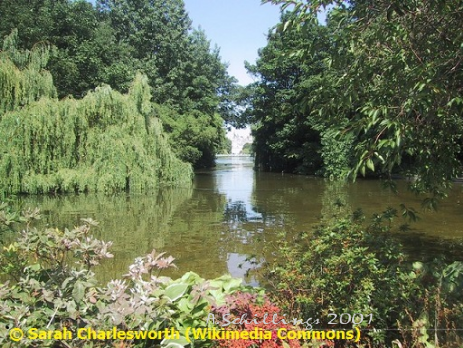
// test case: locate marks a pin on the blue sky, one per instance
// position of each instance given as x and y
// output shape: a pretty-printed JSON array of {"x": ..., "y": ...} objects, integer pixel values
[{"x": 237, "y": 27}]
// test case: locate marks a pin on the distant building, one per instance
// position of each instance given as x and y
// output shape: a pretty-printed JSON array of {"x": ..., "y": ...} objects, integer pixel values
[{"x": 239, "y": 137}]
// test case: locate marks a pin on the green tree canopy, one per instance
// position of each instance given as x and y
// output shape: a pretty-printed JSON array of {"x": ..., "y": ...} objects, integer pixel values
[
  {"x": 187, "y": 75},
  {"x": 398, "y": 83},
  {"x": 112, "y": 41},
  {"x": 286, "y": 136},
  {"x": 105, "y": 142}
]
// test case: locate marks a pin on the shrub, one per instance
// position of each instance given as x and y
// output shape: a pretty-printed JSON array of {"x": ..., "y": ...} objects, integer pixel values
[
  {"x": 254, "y": 310},
  {"x": 347, "y": 266},
  {"x": 52, "y": 284}
]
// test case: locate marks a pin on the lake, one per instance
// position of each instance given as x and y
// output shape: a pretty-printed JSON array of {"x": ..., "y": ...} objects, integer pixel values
[{"x": 233, "y": 218}]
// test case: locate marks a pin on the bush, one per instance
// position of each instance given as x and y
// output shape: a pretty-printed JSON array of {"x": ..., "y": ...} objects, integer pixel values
[
  {"x": 52, "y": 285},
  {"x": 254, "y": 310},
  {"x": 347, "y": 266}
]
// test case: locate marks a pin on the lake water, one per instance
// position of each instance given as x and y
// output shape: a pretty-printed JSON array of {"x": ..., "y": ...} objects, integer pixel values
[{"x": 232, "y": 217}]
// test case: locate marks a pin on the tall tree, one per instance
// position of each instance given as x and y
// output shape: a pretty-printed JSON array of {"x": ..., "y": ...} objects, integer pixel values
[
  {"x": 286, "y": 138},
  {"x": 86, "y": 52},
  {"x": 103, "y": 142},
  {"x": 401, "y": 84},
  {"x": 32, "y": 19},
  {"x": 185, "y": 73},
  {"x": 110, "y": 43},
  {"x": 158, "y": 34}
]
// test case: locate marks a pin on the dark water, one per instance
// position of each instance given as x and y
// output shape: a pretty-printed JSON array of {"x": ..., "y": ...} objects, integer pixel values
[{"x": 233, "y": 217}]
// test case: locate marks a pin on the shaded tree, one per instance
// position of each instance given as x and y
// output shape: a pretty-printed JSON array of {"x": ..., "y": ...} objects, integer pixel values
[
  {"x": 399, "y": 83},
  {"x": 286, "y": 138}
]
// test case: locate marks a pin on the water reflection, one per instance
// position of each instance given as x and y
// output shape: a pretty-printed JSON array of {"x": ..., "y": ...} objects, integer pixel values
[
  {"x": 231, "y": 218},
  {"x": 135, "y": 223},
  {"x": 234, "y": 178}
]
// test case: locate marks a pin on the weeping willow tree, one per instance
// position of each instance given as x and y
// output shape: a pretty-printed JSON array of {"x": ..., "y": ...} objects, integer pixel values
[
  {"x": 22, "y": 75},
  {"x": 105, "y": 142}
]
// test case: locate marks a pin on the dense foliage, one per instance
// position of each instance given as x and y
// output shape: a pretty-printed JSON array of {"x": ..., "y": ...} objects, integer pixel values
[
  {"x": 378, "y": 88},
  {"x": 285, "y": 139},
  {"x": 381, "y": 81},
  {"x": 113, "y": 41},
  {"x": 347, "y": 265},
  {"x": 22, "y": 77},
  {"x": 104, "y": 142}
]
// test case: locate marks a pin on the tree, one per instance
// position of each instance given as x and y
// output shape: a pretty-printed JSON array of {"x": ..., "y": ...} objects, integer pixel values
[
  {"x": 110, "y": 43},
  {"x": 285, "y": 136},
  {"x": 77, "y": 66},
  {"x": 186, "y": 74},
  {"x": 399, "y": 84},
  {"x": 104, "y": 142},
  {"x": 32, "y": 19},
  {"x": 23, "y": 79},
  {"x": 157, "y": 32},
  {"x": 195, "y": 137},
  {"x": 86, "y": 53}
]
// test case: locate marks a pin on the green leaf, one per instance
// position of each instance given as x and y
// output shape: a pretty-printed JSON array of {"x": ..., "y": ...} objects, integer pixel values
[
  {"x": 362, "y": 169},
  {"x": 418, "y": 265},
  {"x": 175, "y": 343},
  {"x": 66, "y": 282},
  {"x": 191, "y": 278},
  {"x": 286, "y": 25},
  {"x": 35, "y": 267},
  {"x": 79, "y": 291},
  {"x": 175, "y": 291},
  {"x": 185, "y": 305},
  {"x": 370, "y": 165},
  {"x": 71, "y": 307}
]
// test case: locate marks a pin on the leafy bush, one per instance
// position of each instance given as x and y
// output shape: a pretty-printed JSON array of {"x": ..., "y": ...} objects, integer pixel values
[
  {"x": 336, "y": 154},
  {"x": 256, "y": 309},
  {"x": 347, "y": 266},
  {"x": 52, "y": 285},
  {"x": 194, "y": 137}
]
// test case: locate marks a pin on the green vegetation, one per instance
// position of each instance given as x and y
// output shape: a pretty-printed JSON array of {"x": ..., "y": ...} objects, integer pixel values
[
  {"x": 348, "y": 265},
  {"x": 116, "y": 40},
  {"x": 195, "y": 137},
  {"x": 377, "y": 89},
  {"x": 119, "y": 97},
  {"x": 104, "y": 142},
  {"x": 226, "y": 147},
  {"x": 284, "y": 138},
  {"x": 345, "y": 266},
  {"x": 247, "y": 149},
  {"x": 52, "y": 285}
]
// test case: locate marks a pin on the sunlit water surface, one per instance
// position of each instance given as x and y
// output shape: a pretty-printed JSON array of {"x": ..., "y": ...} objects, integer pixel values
[{"x": 232, "y": 217}]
